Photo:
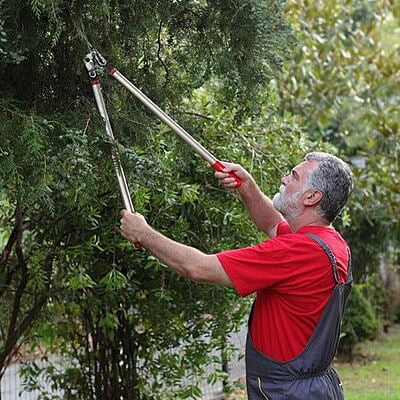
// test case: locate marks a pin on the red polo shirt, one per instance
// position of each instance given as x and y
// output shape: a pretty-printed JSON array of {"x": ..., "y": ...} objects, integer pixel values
[{"x": 293, "y": 279}]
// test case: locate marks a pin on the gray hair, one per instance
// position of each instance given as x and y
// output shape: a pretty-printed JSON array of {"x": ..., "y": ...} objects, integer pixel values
[{"x": 334, "y": 179}]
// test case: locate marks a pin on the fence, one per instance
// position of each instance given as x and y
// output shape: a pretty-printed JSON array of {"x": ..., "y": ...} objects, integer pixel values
[
  {"x": 12, "y": 389},
  {"x": 11, "y": 384}
]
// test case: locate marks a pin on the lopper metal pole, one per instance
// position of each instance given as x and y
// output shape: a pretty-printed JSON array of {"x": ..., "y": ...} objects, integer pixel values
[
  {"x": 126, "y": 198},
  {"x": 197, "y": 147},
  {"x": 123, "y": 186},
  {"x": 89, "y": 62}
]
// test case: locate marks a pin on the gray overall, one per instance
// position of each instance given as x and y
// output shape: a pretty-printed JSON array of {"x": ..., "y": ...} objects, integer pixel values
[{"x": 310, "y": 375}]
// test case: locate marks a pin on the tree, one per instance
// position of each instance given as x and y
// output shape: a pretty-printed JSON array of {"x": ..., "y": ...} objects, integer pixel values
[
  {"x": 343, "y": 80},
  {"x": 124, "y": 325},
  {"x": 343, "y": 83},
  {"x": 361, "y": 323}
]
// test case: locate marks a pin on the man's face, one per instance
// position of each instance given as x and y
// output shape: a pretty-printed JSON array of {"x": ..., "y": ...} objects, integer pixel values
[{"x": 289, "y": 200}]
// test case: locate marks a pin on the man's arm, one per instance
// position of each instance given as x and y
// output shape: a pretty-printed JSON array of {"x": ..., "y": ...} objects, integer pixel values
[
  {"x": 259, "y": 206},
  {"x": 184, "y": 260}
]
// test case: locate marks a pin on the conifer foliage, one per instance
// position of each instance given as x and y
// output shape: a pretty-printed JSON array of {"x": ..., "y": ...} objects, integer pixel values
[{"x": 123, "y": 325}]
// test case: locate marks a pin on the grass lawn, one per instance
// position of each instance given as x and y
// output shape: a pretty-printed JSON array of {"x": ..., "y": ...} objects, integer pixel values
[{"x": 374, "y": 373}]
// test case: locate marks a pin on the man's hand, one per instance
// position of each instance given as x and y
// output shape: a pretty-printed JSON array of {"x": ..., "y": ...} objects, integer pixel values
[
  {"x": 259, "y": 206},
  {"x": 133, "y": 226},
  {"x": 228, "y": 181}
]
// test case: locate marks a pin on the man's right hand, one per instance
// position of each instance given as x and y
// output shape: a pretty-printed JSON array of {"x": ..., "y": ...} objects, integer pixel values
[
  {"x": 228, "y": 181},
  {"x": 259, "y": 206}
]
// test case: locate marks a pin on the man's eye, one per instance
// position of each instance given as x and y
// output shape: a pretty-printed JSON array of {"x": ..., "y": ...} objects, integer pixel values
[{"x": 295, "y": 175}]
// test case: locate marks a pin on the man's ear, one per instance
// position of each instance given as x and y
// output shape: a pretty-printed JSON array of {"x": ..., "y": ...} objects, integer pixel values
[{"x": 312, "y": 197}]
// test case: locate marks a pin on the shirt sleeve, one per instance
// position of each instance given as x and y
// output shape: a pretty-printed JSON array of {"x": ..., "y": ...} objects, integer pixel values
[
  {"x": 263, "y": 266},
  {"x": 283, "y": 228}
]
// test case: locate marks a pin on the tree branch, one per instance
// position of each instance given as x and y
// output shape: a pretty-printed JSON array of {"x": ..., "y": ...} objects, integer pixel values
[
  {"x": 17, "y": 331},
  {"x": 24, "y": 279},
  {"x": 195, "y": 114},
  {"x": 159, "y": 55}
]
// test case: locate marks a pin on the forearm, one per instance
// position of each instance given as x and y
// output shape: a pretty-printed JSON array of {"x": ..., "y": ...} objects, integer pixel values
[
  {"x": 184, "y": 260},
  {"x": 174, "y": 254},
  {"x": 260, "y": 208}
]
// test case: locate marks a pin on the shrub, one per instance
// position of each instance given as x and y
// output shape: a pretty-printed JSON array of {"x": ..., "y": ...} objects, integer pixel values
[{"x": 360, "y": 322}]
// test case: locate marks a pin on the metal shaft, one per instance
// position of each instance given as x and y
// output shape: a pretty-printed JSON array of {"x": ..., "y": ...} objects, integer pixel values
[
  {"x": 126, "y": 198},
  {"x": 197, "y": 147}
]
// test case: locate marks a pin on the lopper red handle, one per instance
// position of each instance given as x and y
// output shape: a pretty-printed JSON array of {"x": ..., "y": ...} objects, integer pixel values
[{"x": 218, "y": 166}]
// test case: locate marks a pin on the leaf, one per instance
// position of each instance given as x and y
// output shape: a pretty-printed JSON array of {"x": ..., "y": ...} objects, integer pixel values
[
  {"x": 114, "y": 280},
  {"x": 81, "y": 281},
  {"x": 109, "y": 321}
]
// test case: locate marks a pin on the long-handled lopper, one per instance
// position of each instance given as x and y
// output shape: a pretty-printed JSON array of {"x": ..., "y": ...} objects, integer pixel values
[{"x": 94, "y": 58}]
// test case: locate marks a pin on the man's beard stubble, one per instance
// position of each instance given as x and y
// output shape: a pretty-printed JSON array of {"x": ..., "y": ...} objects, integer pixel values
[{"x": 287, "y": 205}]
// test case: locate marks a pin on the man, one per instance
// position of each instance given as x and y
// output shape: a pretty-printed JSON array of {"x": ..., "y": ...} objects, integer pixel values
[{"x": 301, "y": 276}]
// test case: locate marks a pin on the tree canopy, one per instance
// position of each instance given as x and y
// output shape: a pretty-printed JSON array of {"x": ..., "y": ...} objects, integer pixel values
[
  {"x": 343, "y": 80},
  {"x": 236, "y": 77},
  {"x": 118, "y": 316}
]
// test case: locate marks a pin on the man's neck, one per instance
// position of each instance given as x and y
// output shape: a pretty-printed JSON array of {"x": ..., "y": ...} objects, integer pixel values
[{"x": 307, "y": 220}]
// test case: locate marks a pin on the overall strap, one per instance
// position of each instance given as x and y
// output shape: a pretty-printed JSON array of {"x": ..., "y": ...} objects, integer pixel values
[
  {"x": 329, "y": 253},
  {"x": 349, "y": 279}
]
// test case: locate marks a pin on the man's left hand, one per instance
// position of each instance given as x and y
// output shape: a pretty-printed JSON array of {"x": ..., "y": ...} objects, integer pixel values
[{"x": 133, "y": 226}]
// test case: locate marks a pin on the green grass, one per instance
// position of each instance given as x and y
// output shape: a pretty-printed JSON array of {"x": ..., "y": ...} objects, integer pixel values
[{"x": 375, "y": 374}]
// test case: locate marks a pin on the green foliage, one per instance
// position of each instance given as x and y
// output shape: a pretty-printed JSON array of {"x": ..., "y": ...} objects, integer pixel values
[
  {"x": 366, "y": 313},
  {"x": 379, "y": 297},
  {"x": 360, "y": 322},
  {"x": 171, "y": 47},
  {"x": 119, "y": 293},
  {"x": 8, "y": 52},
  {"x": 343, "y": 81},
  {"x": 121, "y": 323}
]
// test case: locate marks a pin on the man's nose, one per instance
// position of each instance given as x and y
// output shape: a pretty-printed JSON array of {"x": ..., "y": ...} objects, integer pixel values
[{"x": 284, "y": 180}]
